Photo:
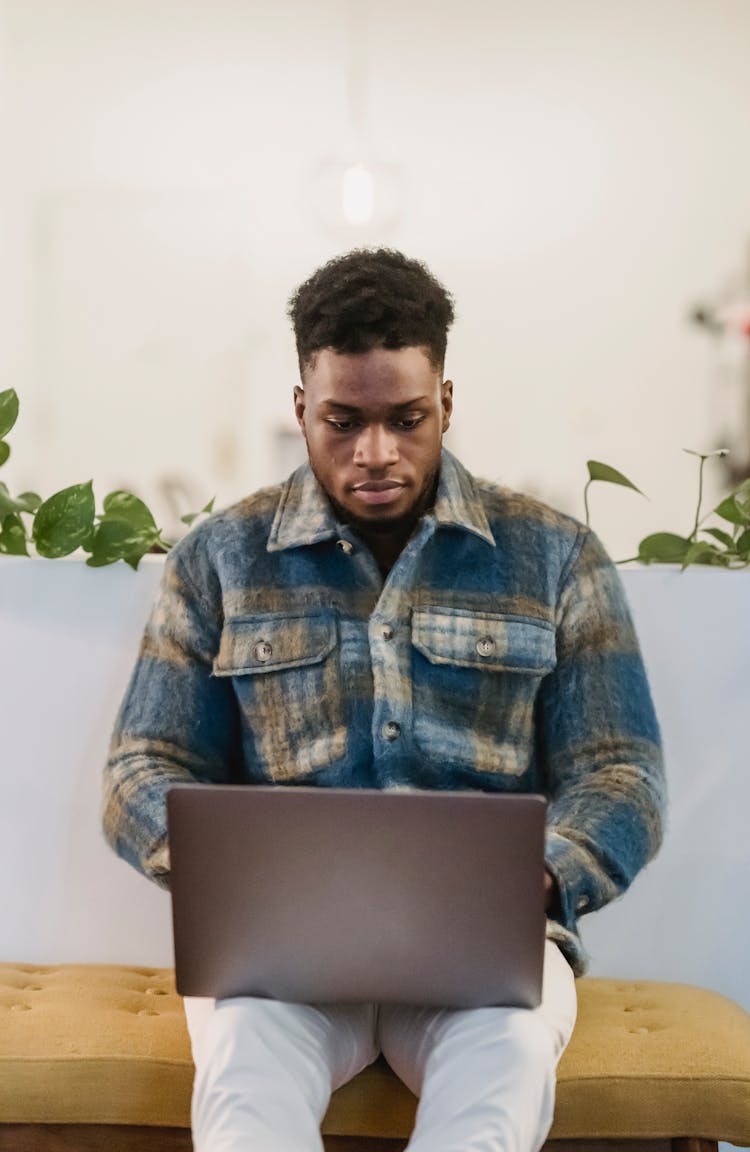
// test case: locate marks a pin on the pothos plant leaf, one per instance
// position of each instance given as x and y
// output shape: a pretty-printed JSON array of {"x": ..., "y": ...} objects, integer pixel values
[
  {"x": 13, "y": 536},
  {"x": 8, "y": 412},
  {"x": 599, "y": 471},
  {"x": 742, "y": 500},
  {"x": 26, "y": 502},
  {"x": 125, "y": 530},
  {"x": 701, "y": 552},
  {"x": 125, "y": 506},
  {"x": 720, "y": 535},
  {"x": 190, "y": 517},
  {"x": 736, "y": 507},
  {"x": 730, "y": 510},
  {"x": 663, "y": 548},
  {"x": 65, "y": 521},
  {"x": 114, "y": 539}
]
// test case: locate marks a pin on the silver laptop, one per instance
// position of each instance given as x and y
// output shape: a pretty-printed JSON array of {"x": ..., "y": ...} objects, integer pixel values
[{"x": 319, "y": 895}]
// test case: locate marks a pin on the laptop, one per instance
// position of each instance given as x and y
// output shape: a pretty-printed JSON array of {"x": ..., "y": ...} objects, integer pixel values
[{"x": 322, "y": 895}]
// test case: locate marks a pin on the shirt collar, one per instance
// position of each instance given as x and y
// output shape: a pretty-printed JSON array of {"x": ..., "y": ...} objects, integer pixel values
[{"x": 304, "y": 514}]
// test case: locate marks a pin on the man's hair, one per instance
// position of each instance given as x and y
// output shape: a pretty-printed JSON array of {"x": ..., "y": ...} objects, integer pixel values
[{"x": 371, "y": 298}]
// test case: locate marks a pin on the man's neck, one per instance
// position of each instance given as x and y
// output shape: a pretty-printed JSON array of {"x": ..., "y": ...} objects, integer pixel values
[{"x": 385, "y": 547}]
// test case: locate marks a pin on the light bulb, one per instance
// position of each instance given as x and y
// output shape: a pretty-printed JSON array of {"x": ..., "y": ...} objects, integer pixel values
[{"x": 358, "y": 194}]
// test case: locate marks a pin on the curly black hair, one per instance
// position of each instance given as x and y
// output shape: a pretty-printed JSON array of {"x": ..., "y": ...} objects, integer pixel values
[{"x": 371, "y": 298}]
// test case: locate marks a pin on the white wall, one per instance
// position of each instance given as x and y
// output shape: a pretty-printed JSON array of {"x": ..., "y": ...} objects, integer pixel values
[{"x": 576, "y": 172}]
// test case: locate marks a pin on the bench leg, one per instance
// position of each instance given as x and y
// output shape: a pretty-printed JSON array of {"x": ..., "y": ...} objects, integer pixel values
[{"x": 691, "y": 1144}]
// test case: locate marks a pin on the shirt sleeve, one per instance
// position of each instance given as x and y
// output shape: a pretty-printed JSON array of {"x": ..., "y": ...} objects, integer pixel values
[
  {"x": 177, "y": 723},
  {"x": 599, "y": 741}
]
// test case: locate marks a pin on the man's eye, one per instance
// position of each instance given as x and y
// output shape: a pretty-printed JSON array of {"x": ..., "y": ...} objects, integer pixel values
[
  {"x": 408, "y": 422},
  {"x": 342, "y": 425}
]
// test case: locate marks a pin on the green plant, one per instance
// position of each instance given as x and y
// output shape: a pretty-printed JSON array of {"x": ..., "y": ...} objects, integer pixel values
[
  {"x": 124, "y": 530},
  {"x": 726, "y": 549}
]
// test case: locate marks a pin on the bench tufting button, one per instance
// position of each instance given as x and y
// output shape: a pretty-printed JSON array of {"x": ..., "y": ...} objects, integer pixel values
[
  {"x": 147, "y": 1012},
  {"x": 156, "y": 992},
  {"x": 32, "y": 988},
  {"x": 20, "y": 1007}
]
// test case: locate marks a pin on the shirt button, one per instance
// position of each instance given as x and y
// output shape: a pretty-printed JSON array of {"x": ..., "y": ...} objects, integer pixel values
[
  {"x": 485, "y": 646},
  {"x": 386, "y": 632},
  {"x": 391, "y": 730},
  {"x": 263, "y": 651},
  {"x": 345, "y": 546}
]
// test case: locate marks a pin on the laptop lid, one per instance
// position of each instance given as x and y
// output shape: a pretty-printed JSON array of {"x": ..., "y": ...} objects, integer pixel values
[{"x": 318, "y": 895}]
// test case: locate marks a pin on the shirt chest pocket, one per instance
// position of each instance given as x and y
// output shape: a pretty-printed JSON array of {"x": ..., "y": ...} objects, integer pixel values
[
  {"x": 476, "y": 676},
  {"x": 286, "y": 677}
]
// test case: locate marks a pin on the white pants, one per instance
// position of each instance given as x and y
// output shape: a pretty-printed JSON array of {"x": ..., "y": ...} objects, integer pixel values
[{"x": 265, "y": 1070}]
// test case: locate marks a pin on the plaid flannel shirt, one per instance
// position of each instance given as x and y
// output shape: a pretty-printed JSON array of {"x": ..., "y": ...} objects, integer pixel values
[{"x": 498, "y": 654}]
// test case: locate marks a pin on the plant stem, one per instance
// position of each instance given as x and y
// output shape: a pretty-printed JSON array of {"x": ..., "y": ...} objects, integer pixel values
[
  {"x": 586, "y": 502},
  {"x": 694, "y": 534}
]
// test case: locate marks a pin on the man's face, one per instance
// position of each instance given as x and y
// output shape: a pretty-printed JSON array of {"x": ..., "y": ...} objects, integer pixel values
[{"x": 373, "y": 424}]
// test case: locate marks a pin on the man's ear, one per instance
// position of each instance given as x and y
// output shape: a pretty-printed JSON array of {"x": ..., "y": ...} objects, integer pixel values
[
  {"x": 299, "y": 406},
  {"x": 446, "y": 400}
]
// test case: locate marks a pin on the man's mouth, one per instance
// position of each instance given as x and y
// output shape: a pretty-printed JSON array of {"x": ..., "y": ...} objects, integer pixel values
[{"x": 377, "y": 491}]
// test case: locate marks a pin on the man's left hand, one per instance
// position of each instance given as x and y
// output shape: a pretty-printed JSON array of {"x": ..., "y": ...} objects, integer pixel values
[{"x": 551, "y": 894}]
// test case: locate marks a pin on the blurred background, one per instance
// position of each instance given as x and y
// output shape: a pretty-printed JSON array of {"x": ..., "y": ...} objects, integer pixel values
[{"x": 577, "y": 172}]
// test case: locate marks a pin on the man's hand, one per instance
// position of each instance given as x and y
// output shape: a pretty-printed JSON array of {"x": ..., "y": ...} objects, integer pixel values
[{"x": 551, "y": 893}]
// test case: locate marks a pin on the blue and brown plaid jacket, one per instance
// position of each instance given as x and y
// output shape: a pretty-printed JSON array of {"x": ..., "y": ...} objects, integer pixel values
[{"x": 499, "y": 654}]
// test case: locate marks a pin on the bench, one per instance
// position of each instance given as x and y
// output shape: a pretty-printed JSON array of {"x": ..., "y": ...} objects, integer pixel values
[{"x": 97, "y": 1057}]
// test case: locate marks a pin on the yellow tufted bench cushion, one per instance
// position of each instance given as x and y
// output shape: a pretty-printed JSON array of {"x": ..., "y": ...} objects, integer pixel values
[{"x": 100, "y": 1044}]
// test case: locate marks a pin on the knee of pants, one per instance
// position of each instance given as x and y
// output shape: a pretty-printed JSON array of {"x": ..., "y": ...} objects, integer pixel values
[
  {"x": 518, "y": 1035},
  {"x": 247, "y": 1037},
  {"x": 531, "y": 1039},
  {"x": 487, "y": 1045}
]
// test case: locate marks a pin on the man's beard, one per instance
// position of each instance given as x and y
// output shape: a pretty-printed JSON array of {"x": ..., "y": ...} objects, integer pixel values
[{"x": 388, "y": 525}]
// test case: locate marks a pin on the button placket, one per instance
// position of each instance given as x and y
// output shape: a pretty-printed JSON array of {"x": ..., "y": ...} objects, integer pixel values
[{"x": 387, "y": 655}]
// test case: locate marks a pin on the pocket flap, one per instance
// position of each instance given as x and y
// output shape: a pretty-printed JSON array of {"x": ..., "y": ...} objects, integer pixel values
[
  {"x": 270, "y": 642},
  {"x": 494, "y": 642}
]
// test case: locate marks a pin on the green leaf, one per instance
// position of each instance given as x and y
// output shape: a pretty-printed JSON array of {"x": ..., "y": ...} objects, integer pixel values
[
  {"x": 115, "y": 539},
  {"x": 729, "y": 510},
  {"x": 599, "y": 471},
  {"x": 123, "y": 505},
  {"x": 701, "y": 552},
  {"x": 743, "y": 544},
  {"x": 4, "y": 451},
  {"x": 13, "y": 536},
  {"x": 742, "y": 500},
  {"x": 190, "y": 517},
  {"x": 65, "y": 521},
  {"x": 8, "y": 411},
  {"x": 26, "y": 502},
  {"x": 720, "y": 535},
  {"x": 663, "y": 548}
]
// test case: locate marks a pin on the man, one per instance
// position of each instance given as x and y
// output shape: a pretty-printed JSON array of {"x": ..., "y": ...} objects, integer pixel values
[{"x": 383, "y": 619}]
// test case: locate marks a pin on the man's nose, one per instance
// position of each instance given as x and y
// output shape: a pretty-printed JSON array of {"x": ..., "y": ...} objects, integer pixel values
[{"x": 376, "y": 447}]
